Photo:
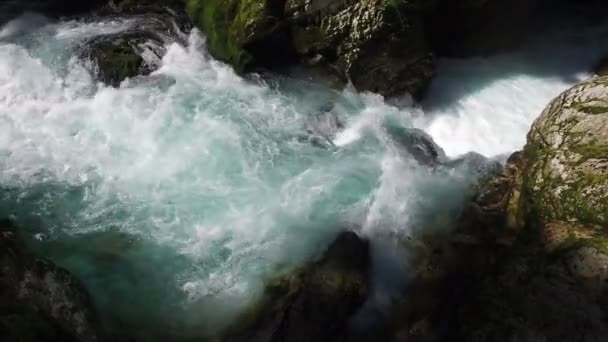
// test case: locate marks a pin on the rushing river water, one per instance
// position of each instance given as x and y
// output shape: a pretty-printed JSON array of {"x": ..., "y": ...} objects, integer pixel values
[{"x": 174, "y": 196}]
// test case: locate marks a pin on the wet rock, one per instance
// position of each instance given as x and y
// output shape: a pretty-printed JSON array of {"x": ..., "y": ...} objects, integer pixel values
[
  {"x": 378, "y": 45},
  {"x": 38, "y": 300},
  {"x": 419, "y": 144},
  {"x": 312, "y": 304},
  {"x": 118, "y": 58},
  {"x": 137, "y": 51},
  {"x": 496, "y": 212},
  {"x": 243, "y": 33}
]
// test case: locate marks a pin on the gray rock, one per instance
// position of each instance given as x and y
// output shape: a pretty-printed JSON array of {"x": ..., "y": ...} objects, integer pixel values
[{"x": 38, "y": 300}]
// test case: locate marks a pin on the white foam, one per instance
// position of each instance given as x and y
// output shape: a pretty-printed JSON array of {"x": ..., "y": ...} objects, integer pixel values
[{"x": 487, "y": 105}]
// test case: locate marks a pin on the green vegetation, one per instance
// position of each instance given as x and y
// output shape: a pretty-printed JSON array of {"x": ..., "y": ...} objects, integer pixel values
[{"x": 230, "y": 25}]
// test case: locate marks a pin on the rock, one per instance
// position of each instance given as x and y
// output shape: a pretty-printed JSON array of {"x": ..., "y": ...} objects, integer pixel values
[
  {"x": 312, "y": 304},
  {"x": 567, "y": 153},
  {"x": 379, "y": 45},
  {"x": 590, "y": 266},
  {"x": 38, "y": 300},
  {"x": 135, "y": 52},
  {"x": 496, "y": 212},
  {"x": 243, "y": 33},
  {"x": 116, "y": 58},
  {"x": 418, "y": 144}
]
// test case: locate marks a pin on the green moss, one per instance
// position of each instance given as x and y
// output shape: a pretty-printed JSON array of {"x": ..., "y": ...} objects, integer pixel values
[
  {"x": 118, "y": 61},
  {"x": 591, "y": 151},
  {"x": 597, "y": 239},
  {"x": 230, "y": 25},
  {"x": 590, "y": 107}
]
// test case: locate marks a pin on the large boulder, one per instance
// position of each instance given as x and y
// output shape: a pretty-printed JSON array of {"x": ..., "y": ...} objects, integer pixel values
[
  {"x": 314, "y": 303},
  {"x": 242, "y": 33},
  {"x": 379, "y": 45},
  {"x": 38, "y": 300},
  {"x": 567, "y": 152}
]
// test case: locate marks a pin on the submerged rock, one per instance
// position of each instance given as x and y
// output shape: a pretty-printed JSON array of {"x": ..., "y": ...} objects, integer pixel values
[
  {"x": 314, "y": 303},
  {"x": 38, "y": 300},
  {"x": 135, "y": 52},
  {"x": 116, "y": 58},
  {"x": 418, "y": 143}
]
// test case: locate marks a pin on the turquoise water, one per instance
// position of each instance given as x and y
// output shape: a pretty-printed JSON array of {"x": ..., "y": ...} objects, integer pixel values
[{"x": 175, "y": 196}]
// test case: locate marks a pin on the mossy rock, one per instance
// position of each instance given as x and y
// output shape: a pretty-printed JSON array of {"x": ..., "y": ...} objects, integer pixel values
[
  {"x": 567, "y": 153},
  {"x": 117, "y": 60},
  {"x": 233, "y": 27},
  {"x": 116, "y": 57},
  {"x": 380, "y": 45}
]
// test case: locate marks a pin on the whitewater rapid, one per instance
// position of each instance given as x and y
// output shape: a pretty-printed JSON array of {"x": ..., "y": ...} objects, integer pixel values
[{"x": 183, "y": 191}]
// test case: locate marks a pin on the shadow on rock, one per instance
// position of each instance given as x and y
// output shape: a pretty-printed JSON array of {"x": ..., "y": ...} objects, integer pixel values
[
  {"x": 314, "y": 303},
  {"x": 502, "y": 277},
  {"x": 38, "y": 300}
]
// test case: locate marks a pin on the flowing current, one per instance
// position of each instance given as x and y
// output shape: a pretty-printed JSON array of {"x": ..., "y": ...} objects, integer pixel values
[{"x": 174, "y": 196}]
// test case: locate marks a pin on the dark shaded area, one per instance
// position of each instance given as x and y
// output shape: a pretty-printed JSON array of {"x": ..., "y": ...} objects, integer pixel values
[
  {"x": 314, "y": 303},
  {"x": 491, "y": 26},
  {"x": 53, "y": 8},
  {"x": 543, "y": 38},
  {"x": 496, "y": 279},
  {"x": 38, "y": 300}
]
